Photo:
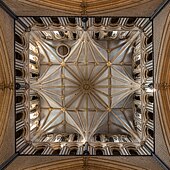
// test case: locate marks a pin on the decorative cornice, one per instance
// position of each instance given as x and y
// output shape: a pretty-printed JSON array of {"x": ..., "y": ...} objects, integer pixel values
[{"x": 27, "y": 29}]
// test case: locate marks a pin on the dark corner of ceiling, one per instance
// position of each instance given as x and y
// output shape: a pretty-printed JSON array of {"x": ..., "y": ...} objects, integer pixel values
[
  {"x": 159, "y": 9},
  {"x": 6, "y": 163},
  {"x": 8, "y": 10}
]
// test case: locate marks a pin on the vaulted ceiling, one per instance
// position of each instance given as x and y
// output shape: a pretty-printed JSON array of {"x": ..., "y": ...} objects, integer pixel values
[
  {"x": 90, "y": 91},
  {"x": 159, "y": 15},
  {"x": 78, "y": 7},
  {"x": 86, "y": 78}
]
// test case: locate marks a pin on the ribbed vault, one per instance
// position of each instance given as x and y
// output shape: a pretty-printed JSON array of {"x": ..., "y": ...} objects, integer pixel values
[
  {"x": 91, "y": 6},
  {"x": 6, "y": 85},
  {"x": 162, "y": 81},
  {"x": 86, "y": 163},
  {"x": 90, "y": 91},
  {"x": 89, "y": 87},
  {"x": 78, "y": 7}
]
